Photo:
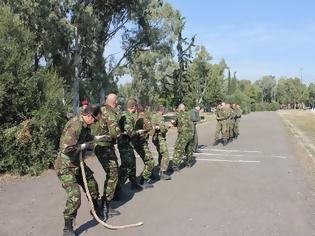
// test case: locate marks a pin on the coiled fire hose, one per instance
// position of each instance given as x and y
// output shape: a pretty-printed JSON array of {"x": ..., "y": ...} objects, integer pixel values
[{"x": 92, "y": 205}]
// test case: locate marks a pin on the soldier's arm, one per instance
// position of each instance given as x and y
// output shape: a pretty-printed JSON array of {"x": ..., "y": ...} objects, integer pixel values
[
  {"x": 113, "y": 128},
  {"x": 129, "y": 127},
  {"x": 69, "y": 143}
]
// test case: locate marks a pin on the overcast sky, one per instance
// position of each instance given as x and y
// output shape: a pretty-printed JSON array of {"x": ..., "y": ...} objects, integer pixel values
[{"x": 256, "y": 38}]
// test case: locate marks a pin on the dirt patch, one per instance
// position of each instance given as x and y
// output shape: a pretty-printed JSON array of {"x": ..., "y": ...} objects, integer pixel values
[{"x": 301, "y": 125}]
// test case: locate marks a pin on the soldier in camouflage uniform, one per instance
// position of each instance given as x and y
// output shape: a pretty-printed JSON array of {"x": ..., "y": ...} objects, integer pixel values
[
  {"x": 195, "y": 118},
  {"x": 237, "y": 120},
  {"x": 141, "y": 145},
  {"x": 228, "y": 113},
  {"x": 105, "y": 151},
  {"x": 184, "y": 141},
  {"x": 232, "y": 121},
  {"x": 159, "y": 140},
  {"x": 127, "y": 169},
  {"x": 225, "y": 114},
  {"x": 67, "y": 165},
  {"x": 220, "y": 124}
]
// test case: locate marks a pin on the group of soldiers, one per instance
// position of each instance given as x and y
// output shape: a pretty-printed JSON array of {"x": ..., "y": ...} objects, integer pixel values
[
  {"x": 130, "y": 130},
  {"x": 228, "y": 118}
]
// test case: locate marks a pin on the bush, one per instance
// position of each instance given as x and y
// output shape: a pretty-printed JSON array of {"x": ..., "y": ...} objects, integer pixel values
[
  {"x": 274, "y": 106},
  {"x": 31, "y": 146}
]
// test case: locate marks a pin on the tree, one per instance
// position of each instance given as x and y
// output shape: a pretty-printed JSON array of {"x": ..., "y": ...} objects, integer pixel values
[{"x": 266, "y": 87}]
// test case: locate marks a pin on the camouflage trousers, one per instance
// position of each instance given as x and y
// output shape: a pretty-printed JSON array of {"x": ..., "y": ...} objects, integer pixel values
[
  {"x": 236, "y": 126},
  {"x": 71, "y": 179},
  {"x": 127, "y": 168},
  {"x": 161, "y": 147},
  {"x": 221, "y": 127},
  {"x": 108, "y": 159},
  {"x": 231, "y": 128},
  {"x": 183, "y": 145},
  {"x": 195, "y": 142},
  {"x": 142, "y": 148}
]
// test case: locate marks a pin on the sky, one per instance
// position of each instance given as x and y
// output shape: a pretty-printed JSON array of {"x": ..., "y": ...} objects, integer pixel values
[{"x": 255, "y": 38}]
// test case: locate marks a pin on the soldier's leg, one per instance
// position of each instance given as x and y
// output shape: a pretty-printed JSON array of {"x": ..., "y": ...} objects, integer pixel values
[
  {"x": 69, "y": 182},
  {"x": 189, "y": 151},
  {"x": 125, "y": 166},
  {"x": 147, "y": 158},
  {"x": 236, "y": 128},
  {"x": 110, "y": 165},
  {"x": 195, "y": 138},
  {"x": 178, "y": 150},
  {"x": 218, "y": 131},
  {"x": 225, "y": 131},
  {"x": 232, "y": 129},
  {"x": 164, "y": 154},
  {"x": 156, "y": 143},
  {"x": 91, "y": 182}
]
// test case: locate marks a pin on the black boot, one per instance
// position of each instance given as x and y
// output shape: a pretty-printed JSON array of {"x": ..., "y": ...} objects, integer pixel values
[
  {"x": 135, "y": 185},
  {"x": 108, "y": 212},
  {"x": 145, "y": 183},
  {"x": 165, "y": 176},
  {"x": 68, "y": 229},
  {"x": 97, "y": 209},
  {"x": 225, "y": 142},
  {"x": 176, "y": 169},
  {"x": 216, "y": 142}
]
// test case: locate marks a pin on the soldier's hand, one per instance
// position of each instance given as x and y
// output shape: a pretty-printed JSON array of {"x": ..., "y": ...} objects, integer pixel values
[
  {"x": 157, "y": 127},
  {"x": 84, "y": 146},
  {"x": 141, "y": 131},
  {"x": 102, "y": 138}
]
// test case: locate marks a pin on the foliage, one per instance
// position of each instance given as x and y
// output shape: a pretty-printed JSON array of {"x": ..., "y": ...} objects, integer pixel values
[
  {"x": 273, "y": 106},
  {"x": 31, "y": 102}
]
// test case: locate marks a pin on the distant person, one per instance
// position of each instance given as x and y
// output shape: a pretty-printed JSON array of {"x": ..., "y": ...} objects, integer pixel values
[
  {"x": 159, "y": 140},
  {"x": 184, "y": 141},
  {"x": 195, "y": 118}
]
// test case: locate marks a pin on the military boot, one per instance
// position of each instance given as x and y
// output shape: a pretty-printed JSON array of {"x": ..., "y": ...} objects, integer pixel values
[
  {"x": 225, "y": 142},
  {"x": 165, "y": 176},
  {"x": 216, "y": 142},
  {"x": 108, "y": 212},
  {"x": 68, "y": 229},
  {"x": 145, "y": 183},
  {"x": 135, "y": 185},
  {"x": 97, "y": 209}
]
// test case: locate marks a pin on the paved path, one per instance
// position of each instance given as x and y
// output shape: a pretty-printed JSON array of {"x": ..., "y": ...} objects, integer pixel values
[{"x": 255, "y": 186}]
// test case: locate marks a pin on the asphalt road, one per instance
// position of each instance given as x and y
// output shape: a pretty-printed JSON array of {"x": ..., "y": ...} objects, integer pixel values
[{"x": 258, "y": 185}]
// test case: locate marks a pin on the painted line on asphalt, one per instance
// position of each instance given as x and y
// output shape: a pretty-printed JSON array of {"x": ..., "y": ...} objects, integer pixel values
[
  {"x": 218, "y": 154},
  {"x": 229, "y": 150},
  {"x": 222, "y": 160},
  {"x": 281, "y": 157}
]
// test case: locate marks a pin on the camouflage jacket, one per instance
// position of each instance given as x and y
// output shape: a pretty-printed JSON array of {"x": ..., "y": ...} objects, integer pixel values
[
  {"x": 143, "y": 121},
  {"x": 75, "y": 133},
  {"x": 158, "y": 120},
  {"x": 127, "y": 124},
  {"x": 108, "y": 125},
  {"x": 183, "y": 122},
  {"x": 220, "y": 114}
]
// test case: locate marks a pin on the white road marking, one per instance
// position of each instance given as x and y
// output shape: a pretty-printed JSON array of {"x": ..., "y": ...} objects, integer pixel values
[
  {"x": 218, "y": 154},
  {"x": 222, "y": 160},
  {"x": 227, "y": 150},
  {"x": 281, "y": 157}
]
